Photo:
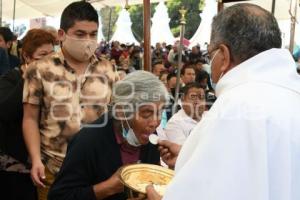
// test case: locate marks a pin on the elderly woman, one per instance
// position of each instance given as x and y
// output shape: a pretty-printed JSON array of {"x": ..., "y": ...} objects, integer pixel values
[
  {"x": 117, "y": 138},
  {"x": 14, "y": 167}
]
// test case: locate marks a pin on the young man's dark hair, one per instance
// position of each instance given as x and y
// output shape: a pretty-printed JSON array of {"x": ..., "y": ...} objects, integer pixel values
[
  {"x": 158, "y": 67},
  {"x": 171, "y": 75},
  {"x": 201, "y": 76},
  {"x": 6, "y": 34},
  {"x": 157, "y": 62},
  {"x": 78, "y": 11},
  {"x": 186, "y": 67}
]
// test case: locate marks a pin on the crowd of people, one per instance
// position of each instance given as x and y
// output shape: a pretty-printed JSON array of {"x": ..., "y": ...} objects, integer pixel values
[{"x": 72, "y": 111}]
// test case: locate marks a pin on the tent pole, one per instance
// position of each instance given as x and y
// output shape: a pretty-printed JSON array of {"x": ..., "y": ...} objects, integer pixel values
[
  {"x": 182, "y": 30},
  {"x": 273, "y": 6},
  {"x": 147, "y": 36},
  {"x": 0, "y": 12},
  {"x": 14, "y": 16},
  {"x": 220, "y": 5},
  {"x": 293, "y": 25},
  {"x": 109, "y": 24}
]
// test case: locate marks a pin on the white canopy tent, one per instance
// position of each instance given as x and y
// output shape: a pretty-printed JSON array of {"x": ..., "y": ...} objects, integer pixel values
[
  {"x": 282, "y": 8},
  {"x": 202, "y": 34},
  {"x": 27, "y": 9},
  {"x": 282, "y": 14},
  {"x": 50, "y": 21},
  {"x": 52, "y": 9},
  {"x": 160, "y": 29},
  {"x": 123, "y": 33}
]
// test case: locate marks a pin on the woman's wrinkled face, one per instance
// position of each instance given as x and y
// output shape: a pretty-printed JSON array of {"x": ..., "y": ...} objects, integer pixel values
[{"x": 146, "y": 120}]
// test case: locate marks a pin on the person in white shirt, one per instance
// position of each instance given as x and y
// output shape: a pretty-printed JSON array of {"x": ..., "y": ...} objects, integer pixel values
[
  {"x": 182, "y": 123},
  {"x": 247, "y": 147}
]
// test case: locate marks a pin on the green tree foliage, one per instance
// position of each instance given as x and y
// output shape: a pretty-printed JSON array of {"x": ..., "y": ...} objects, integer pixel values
[
  {"x": 109, "y": 18},
  {"x": 136, "y": 16},
  {"x": 192, "y": 16}
]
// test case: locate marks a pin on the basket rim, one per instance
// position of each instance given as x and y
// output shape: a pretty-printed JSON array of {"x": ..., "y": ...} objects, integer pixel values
[{"x": 140, "y": 164}]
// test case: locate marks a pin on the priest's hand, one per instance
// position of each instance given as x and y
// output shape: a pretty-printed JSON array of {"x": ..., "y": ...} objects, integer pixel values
[
  {"x": 152, "y": 194},
  {"x": 169, "y": 152}
]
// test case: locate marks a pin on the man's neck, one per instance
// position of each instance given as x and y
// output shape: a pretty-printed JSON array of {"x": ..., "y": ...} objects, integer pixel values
[
  {"x": 194, "y": 116},
  {"x": 78, "y": 66},
  {"x": 197, "y": 118}
]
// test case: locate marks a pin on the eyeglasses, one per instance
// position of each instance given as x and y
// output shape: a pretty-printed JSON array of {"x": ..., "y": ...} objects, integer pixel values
[{"x": 197, "y": 97}]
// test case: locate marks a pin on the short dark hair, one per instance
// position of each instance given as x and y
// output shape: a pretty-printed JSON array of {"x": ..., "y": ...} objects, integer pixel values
[
  {"x": 246, "y": 29},
  {"x": 188, "y": 86},
  {"x": 171, "y": 75},
  {"x": 78, "y": 11},
  {"x": 184, "y": 68},
  {"x": 157, "y": 62},
  {"x": 201, "y": 75},
  {"x": 6, "y": 34}
]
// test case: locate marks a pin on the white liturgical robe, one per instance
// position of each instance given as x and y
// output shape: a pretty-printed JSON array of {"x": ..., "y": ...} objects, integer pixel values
[{"x": 247, "y": 147}]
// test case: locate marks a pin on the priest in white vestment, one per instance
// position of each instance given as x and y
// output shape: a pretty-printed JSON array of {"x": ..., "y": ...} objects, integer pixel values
[{"x": 247, "y": 147}]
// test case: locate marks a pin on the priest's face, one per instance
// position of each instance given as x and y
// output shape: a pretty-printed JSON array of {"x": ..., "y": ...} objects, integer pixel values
[{"x": 221, "y": 61}]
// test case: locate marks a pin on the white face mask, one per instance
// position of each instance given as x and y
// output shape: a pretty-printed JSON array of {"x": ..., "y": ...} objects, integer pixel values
[
  {"x": 129, "y": 135},
  {"x": 213, "y": 58},
  {"x": 80, "y": 49},
  {"x": 213, "y": 85},
  {"x": 210, "y": 64}
]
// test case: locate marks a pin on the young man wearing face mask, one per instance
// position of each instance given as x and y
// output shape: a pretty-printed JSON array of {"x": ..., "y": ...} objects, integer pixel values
[{"x": 63, "y": 92}]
